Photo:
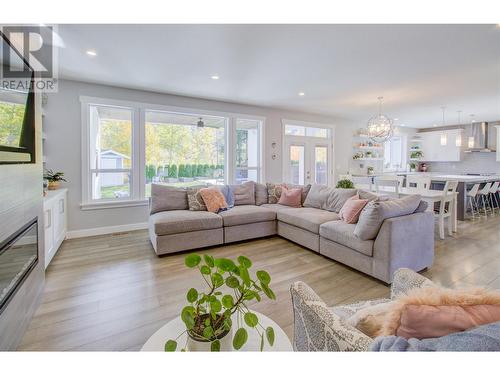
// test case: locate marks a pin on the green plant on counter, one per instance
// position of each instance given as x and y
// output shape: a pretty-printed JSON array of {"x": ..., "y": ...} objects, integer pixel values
[
  {"x": 208, "y": 314},
  {"x": 345, "y": 184},
  {"x": 416, "y": 155},
  {"x": 52, "y": 176}
]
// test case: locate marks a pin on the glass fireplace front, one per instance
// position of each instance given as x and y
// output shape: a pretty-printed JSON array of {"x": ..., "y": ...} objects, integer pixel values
[{"x": 18, "y": 256}]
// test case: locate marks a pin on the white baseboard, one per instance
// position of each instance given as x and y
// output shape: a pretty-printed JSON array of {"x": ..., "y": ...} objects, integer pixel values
[{"x": 105, "y": 230}]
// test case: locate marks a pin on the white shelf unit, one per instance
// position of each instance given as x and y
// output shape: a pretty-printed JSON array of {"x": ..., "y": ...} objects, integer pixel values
[{"x": 363, "y": 144}]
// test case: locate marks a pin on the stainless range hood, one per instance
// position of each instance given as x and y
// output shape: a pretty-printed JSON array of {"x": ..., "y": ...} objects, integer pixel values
[{"x": 477, "y": 139}]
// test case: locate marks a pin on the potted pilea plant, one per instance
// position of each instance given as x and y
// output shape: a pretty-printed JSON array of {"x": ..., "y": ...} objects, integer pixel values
[
  {"x": 207, "y": 315},
  {"x": 345, "y": 184},
  {"x": 54, "y": 179}
]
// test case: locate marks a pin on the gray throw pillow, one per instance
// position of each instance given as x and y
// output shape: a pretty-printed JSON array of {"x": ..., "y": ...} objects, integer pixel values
[
  {"x": 338, "y": 197},
  {"x": 244, "y": 193},
  {"x": 375, "y": 212},
  {"x": 363, "y": 194},
  {"x": 167, "y": 198},
  {"x": 422, "y": 207},
  {"x": 260, "y": 194},
  {"x": 317, "y": 196}
]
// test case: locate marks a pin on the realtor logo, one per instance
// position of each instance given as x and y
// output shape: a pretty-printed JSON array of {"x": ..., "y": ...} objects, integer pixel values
[{"x": 27, "y": 50}]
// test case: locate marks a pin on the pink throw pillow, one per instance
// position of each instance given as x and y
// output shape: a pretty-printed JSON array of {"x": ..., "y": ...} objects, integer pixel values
[
  {"x": 291, "y": 197},
  {"x": 352, "y": 208},
  {"x": 213, "y": 198},
  {"x": 424, "y": 321}
]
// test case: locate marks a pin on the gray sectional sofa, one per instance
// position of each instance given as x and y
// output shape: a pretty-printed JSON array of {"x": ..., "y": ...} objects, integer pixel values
[{"x": 402, "y": 241}]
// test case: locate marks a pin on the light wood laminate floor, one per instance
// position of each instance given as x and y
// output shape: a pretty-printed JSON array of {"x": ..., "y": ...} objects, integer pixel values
[{"x": 112, "y": 292}]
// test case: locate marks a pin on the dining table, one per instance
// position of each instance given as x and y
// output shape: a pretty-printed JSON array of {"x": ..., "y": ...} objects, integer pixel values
[{"x": 429, "y": 195}]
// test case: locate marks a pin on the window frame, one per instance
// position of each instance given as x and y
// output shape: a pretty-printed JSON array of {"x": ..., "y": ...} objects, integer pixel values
[
  {"x": 404, "y": 156},
  {"x": 137, "y": 171}
]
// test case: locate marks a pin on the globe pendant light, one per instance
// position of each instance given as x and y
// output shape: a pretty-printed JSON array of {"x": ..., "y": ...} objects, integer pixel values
[{"x": 380, "y": 127}]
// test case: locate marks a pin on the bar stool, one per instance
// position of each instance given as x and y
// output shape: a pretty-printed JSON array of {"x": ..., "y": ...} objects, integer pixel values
[
  {"x": 445, "y": 208},
  {"x": 484, "y": 192},
  {"x": 493, "y": 194},
  {"x": 471, "y": 199},
  {"x": 420, "y": 182}
]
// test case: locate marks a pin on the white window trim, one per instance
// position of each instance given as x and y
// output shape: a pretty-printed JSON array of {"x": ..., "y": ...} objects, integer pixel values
[
  {"x": 404, "y": 154},
  {"x": 331, "y": 140},
  {"x": 137, "y": 174}
]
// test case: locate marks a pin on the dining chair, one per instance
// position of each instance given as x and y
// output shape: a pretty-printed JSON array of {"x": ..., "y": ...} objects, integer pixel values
[
  {"x": 362, "y": 182},
  {"x": 484, "y": 192},
  {"x": 419, "y": 182},
  {"x": 493, "y": 194},
  {"x": 387, "y": 185},
  {"x": 472, "y": 199},
  {"x": 445, "y": 209}
]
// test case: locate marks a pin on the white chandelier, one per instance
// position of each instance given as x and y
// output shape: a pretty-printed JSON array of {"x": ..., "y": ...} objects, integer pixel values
[{"x": 380, "y": 127}]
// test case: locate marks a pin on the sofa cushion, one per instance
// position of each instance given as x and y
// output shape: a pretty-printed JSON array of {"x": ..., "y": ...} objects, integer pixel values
[
  {"x": 228, "y": 193},
  {"x": 328, "y": 198},
  {"x": 195, "y": 200},
  {"x": 375, "y": 212},
  {"x": 305, "y": 190},
  {"x": 167, "y": 198},
  {"x": 291, "y": 197},
  {"x": 244, "y": 193},
  {"x": 276, "y": 207},
  {"x": 273, "y": 192},
  {"x": 306, "y": 217},
  {"x": 180, "y": 221},
  {"x": 239, "y": 215},
  {"x": 260, "y": 194},
  {"x": 343, "y": 233},
  {"x": 214, "y": 199}
]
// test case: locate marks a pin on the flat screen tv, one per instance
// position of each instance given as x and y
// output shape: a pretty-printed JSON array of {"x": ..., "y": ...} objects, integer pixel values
[{"x": 17, "y": 108}]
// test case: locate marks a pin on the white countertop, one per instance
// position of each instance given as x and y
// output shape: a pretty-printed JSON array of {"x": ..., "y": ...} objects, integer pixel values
[{"x": 436, "y": 176}]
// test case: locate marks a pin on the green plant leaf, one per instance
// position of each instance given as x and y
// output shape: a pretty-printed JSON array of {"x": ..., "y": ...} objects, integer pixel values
[
  {"x": 251, "y": 319},
  {"x": 270, "y": 335},
  {"x": 205, "y": 270},
  {"x": 215, "y": 306},
  {"x": 232, "y": 282},
  {"x": 187, "y": 316},
  {"x": 217, "y": 279},
  {"x": 263, "y": 277},
  {"x": 227, "y": 301},
  {"x": 192, "y": 260},
  {"x": 209, "y": 260},
  {"x": 170, "y": 346},
  {"x": 207, "y": 322},
  {"x": 245, "y": 275},
  {"x": 240, "y": 338},
  {"x": 192, "y": 295},
  {"x": 215, "y": 346},
  {"x": 268, "y": 292},
  {"x": 225, "y": 264},
  {"x": 244, "y": 261},
  {"x": 208, "y": 332}
]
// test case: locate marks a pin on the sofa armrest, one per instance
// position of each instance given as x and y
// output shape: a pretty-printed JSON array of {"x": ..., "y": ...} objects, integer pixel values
[
  {"x": 404, "y": 242},
  {"x": 405, "y": 280},
  {"x": 316, "y": 328}
]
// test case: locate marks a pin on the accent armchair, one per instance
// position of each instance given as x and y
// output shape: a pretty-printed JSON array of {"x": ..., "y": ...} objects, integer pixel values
[{"x": 318, "y": 327}]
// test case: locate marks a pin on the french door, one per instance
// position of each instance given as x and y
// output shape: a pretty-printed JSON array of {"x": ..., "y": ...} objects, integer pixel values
[{"x": 307, "y": 160}]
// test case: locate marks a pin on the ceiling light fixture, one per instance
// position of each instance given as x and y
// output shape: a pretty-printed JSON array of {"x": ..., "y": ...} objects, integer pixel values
[
  {"x": 470, "y": 142},
  {"x": 458, "y": 139},
  {"x": 215, "y": 77},
  {"x": 444, "y": 136},
  {"x": 200, "y": 123},
  {"x": 302, "y": 93},
  {"x": 380, "y": 127},
  {"x": 91, "y": 52}
]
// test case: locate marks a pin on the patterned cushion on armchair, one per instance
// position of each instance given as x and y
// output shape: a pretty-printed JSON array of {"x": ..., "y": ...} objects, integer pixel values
[{"x": 318, "y": 327}]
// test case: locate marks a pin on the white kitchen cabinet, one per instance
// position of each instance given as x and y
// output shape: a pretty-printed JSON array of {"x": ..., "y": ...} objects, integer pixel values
[
  {"x": 55, "y": 221},
  {"x": 441, "y": 145}
]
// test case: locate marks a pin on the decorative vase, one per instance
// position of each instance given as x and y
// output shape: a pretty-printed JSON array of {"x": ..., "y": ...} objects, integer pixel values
[
  {"x": 53, "y": 185},
  {"x": 225, "y": 339}
]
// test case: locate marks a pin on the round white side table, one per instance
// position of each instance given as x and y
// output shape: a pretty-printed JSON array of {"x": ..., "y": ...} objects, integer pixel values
[{"x": 172, "y": 329}]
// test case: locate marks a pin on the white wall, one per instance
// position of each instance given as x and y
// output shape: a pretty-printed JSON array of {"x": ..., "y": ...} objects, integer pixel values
[{"x": 63, "y": 144}]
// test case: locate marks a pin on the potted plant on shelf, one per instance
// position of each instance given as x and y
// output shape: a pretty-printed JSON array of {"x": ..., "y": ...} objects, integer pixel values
[
  {"x": 369, "y": 170},
  {"x": 208, "y": 314},
  {"x": 416, "y": 154},
  {"x": 345, "y": 184},
  {"x": 54, "y": 179},
  {"x": 413, "y": 167}
]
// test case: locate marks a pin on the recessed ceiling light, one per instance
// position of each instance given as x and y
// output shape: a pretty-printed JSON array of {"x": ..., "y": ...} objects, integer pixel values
[
  {"x": 215, "y": 77},
  {"x": 302, "y": 93},
  {"x": 91, "y": 52}
]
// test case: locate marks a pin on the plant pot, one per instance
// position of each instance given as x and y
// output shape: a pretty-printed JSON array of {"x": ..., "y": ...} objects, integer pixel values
[
  {"x": 53, "y": 185},
  {"x": 196, "y": 345}
]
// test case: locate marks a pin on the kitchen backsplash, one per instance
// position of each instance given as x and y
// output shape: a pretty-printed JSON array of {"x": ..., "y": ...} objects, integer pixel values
[{"x": 476, "y": 162}]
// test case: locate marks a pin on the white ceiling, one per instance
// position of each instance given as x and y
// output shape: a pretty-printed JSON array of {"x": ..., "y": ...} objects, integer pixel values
[{"x": 342, "y": 69}]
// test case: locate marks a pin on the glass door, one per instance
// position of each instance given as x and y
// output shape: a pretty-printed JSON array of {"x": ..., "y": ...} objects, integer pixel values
[{"x": 307, "y": 161}]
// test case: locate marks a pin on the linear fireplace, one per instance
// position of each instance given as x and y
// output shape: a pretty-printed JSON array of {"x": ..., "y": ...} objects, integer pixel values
[{"x": 18, "y": 256}]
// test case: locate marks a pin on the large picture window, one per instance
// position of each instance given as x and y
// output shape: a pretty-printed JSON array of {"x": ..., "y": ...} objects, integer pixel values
[{"x": 130, "y": 146}]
